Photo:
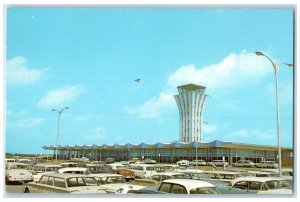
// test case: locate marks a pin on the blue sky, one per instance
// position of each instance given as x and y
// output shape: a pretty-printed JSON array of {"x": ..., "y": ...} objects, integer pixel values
[{"x": 87, "y": 59}]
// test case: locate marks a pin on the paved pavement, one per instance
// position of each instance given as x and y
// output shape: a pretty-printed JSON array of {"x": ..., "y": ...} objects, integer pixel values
[{"x": 14, "y": 188}]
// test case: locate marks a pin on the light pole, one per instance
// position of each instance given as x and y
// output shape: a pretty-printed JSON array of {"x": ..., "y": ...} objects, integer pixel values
[
  {"x": 275, "y": 66},
  {"x": 58, "y": 120}
]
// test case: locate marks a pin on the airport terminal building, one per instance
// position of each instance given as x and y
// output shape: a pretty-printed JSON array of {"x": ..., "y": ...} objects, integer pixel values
[{"x": 190, "y": 102}]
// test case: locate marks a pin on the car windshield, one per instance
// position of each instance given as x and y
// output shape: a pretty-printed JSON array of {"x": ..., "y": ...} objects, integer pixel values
[
  {"x": 180, "y": 177},
  {"x": 150, "y": 168},
  {"x": 17, "y": 166},
  {"x": 274, "y": 184},
  {"x": 111, "y": 180},
  {"x": 204, "y": 190},
  {"x": 80, "y": 181}
]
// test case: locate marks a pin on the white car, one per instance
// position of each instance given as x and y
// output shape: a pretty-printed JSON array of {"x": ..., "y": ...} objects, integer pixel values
[
  {"x": 182, "y": 163},
  {"x": 75, "y": 170},
  {"x": 261, "y": 185},
  {"x": 216, "y": 163},
  {"x": 115, "y": 183},
  {"x": 16, "y": 172},
  {"x": 65, "y": 183},
  {"x": 9, "y": 160},
  {"x": 266, "y": 164},
  {"x": 68, "y": 164},
  {"x": 197, "y": 163},
  {"x": 159, "y": 177},
  {"x": 286, "y": 173},
  {"x": 187, "y": 186},
  {"x": 243, "y": 163},
  {"x": 42, "y": 168},
  {"x": 142, "y": 170}
]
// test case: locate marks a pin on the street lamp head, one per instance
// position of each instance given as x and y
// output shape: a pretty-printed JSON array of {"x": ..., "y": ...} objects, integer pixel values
[
  {"x": 289, "y": 65},
  {"x": 258, "y": 53}
]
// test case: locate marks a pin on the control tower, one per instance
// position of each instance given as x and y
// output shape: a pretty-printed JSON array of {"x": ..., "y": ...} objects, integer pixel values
[{"x": 190, "y": 102}]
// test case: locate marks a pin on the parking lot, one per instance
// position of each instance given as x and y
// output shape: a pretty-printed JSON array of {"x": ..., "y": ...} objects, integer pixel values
[{"x": 12, "y": 188}]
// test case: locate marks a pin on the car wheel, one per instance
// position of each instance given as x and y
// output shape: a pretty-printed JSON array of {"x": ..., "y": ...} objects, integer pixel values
[{"x": 26, "y": 190}]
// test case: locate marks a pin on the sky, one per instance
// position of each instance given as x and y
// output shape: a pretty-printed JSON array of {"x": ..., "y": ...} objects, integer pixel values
[{"x": 87, "y": 59}]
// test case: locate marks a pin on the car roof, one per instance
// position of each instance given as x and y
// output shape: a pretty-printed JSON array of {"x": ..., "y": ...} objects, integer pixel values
[
  {"x": 191, "y": 171},
  {"x": 15, "y": 163},
  {"x": 169, "y": 173},
  {"x": 96, "y": 165},
  {"x": 259, "y": 172},
  {"x": 47, "y": 165},
  {"x": 141, "y": 164},
  {"x": 189, "y": 183},
  {"x": 277, "y": 171},
  {"x": 65, "y": 175},
  {"x": 73, "y": 169},
  {"x": 256, "y": 179},
  {"x": 106, "y": 175},
  {"x": 222, "y": 172}
]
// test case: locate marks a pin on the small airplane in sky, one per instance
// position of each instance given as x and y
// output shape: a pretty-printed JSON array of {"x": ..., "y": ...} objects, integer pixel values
[{"x": 138, "y": 80}]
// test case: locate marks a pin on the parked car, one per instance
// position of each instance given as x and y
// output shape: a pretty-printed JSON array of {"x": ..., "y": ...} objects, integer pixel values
[
  {"x": 159, "y": 177},
  {"x": 9, "y": 160},
  {"x": 219, "y": 178},
  {"x": 82, "y": 159},
  {"x": 286, "y": 173},
  {"x": 109, "y": 160},
  {"x": 261, "y": 174},
  {"x": 146, "y": 190},
  {"x": 41, "y": 168},
  {"x": 197, "y": 163},
  {"x": 243, "y": 163},
  {"x": 216, "y": 163},
  {"x": 182, "y": 163},
  {"x": 187, "y": 186},
  {"x": 134, "y": 160},
  {"x": 142, "y": 170},
  {"x": 99, "y": 168},
  {"x": 267, "y": 164},
  {"x": 127, "y": 174},
  {"x": 115, "y": 183},
  {"x": 75, "y": 170},
  {"x": 115, "y": 165},
  {"x": 68, "y": 164},
  {"x": 262, "y": 185},
  {"x": 26, "y": 161},
  {"x": 16, "y": 172},
  {"x": 149, "y": 161},
  {"x": 65, "y": 183}
]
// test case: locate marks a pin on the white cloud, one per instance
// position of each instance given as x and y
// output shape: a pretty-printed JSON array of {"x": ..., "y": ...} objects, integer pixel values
[
  {"x": 235, "y": 70},
  {"x": 60, "y": 96},
  {"x": 258, "y": 135},
  {"x": 208, "y": 128},
  {"x": 239, "y": 133},
  {"x": 17, "y": 72},
  {"x": 25, "y": 123},
  {"x": 152, "y": 107}
]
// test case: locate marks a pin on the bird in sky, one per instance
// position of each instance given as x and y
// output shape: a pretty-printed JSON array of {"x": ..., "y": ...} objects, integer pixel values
[{"x": 138, "y": 80}]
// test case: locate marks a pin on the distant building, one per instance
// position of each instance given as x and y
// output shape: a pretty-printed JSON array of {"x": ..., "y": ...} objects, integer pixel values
[{"x": 190, "y": 102}]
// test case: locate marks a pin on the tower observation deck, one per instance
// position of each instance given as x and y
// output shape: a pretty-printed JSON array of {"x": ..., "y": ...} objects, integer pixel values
[{"x": 190, "y": 102}]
